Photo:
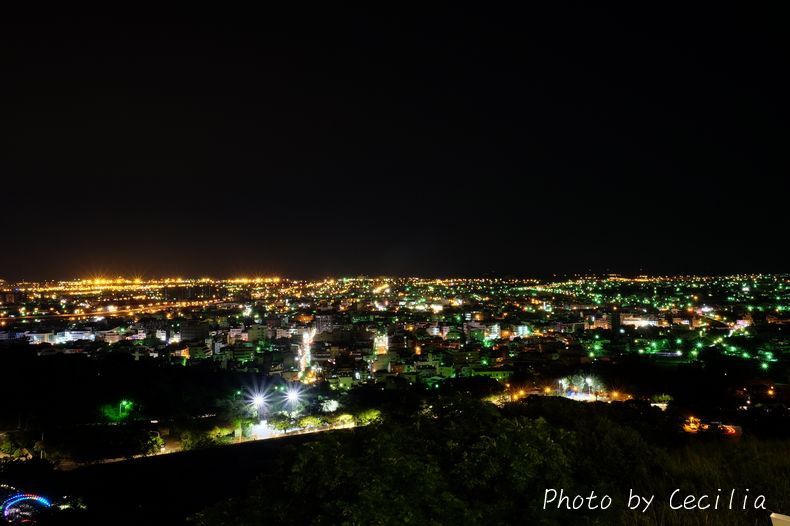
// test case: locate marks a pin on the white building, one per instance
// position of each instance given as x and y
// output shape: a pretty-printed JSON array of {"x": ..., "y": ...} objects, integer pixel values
[
  {"x": 40, "y": 337},
  {"x": 74, "y": 335},
  {"x": 493, "y": 332},
  {"x": 381, "y": 344}
]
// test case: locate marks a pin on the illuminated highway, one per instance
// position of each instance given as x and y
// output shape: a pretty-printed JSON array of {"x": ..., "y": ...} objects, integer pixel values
[{"x": 109, "y": 313}]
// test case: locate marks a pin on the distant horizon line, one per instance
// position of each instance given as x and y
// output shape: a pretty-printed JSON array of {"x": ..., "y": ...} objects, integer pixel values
[{"x": 276, "y": 278}]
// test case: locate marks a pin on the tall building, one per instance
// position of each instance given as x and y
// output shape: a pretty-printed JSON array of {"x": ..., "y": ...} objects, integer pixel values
[
  {"x": 323, "y": 323},
  {"x": 615, "y": 319},
  {"x": 380, "y": 344},
  {"x": 193, "y": 331},
  {"x": 493, "y": 332},
  {"x": 257, "y": 332}
]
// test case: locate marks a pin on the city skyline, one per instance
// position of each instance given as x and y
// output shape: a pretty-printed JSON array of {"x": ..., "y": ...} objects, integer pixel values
[{"x": 109, "y": 279}]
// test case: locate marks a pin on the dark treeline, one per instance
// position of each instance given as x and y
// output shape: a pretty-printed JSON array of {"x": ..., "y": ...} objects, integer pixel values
[
  {"x": 60, "y": 390},
  {"x": 461, "y": 461}
]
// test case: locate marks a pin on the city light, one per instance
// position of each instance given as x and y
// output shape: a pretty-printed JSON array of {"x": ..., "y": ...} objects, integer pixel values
[
  {"x": 293, "y": 395},
  {"x": 485, "y": 327}
]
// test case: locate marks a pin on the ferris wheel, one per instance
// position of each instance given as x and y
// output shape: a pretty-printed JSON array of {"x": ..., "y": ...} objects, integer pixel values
[{"x": 18, "y": 507}]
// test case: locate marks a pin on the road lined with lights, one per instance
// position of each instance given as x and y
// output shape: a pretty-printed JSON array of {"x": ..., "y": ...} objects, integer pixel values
[
  {"x": 112, "y": 313},
  {"x": 68, "y": 466}
]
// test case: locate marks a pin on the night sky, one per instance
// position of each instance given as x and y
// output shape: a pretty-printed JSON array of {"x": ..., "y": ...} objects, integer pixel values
[{"x": 344, "y": 142}]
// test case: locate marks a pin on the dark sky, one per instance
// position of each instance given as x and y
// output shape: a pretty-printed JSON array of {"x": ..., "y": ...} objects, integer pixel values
[{"x": 339, "y": 142}]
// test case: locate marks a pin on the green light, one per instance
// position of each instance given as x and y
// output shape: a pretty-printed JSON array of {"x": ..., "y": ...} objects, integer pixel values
[
  {"x": 764, "y": 365},
  {"x": 122, "y": 412}
]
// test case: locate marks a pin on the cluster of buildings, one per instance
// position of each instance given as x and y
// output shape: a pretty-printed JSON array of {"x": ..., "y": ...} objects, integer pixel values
[{"x": 354, "y": 330}]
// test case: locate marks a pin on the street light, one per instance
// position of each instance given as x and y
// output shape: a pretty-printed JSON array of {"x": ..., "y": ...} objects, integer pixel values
[
  {"x": 293, "y": 396},
  {"x": 121, "y": 405},
  {"x": 258, "y": 402}
]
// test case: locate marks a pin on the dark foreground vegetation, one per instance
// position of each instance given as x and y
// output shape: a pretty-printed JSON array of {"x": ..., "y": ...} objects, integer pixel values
[
  {"x": 462, "y": 461},
  {"x": 434, "y": 455}
]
